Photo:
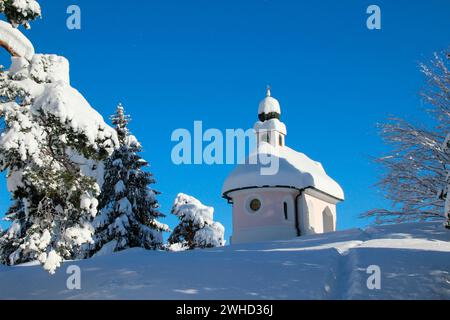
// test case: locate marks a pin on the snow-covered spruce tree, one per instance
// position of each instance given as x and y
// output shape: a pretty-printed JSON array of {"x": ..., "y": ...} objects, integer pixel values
[
  {"x": 51, "y": 147},
  {"x": 20, "y": 12},
  {"x": 416, "y": 170},
  {"x": 196, "y": 228},
  {"x": 128, "y": 206}
]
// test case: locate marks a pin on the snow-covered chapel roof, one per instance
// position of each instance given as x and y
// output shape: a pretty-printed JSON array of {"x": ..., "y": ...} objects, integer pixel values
[{"x": 296, "y": 170}]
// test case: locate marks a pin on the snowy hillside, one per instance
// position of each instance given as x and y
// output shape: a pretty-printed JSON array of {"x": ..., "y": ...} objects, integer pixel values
[{"x": 414, "y": 261}]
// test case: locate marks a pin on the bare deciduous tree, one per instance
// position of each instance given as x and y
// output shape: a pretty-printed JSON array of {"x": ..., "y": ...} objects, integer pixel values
[{"x": 416, "y": 169}]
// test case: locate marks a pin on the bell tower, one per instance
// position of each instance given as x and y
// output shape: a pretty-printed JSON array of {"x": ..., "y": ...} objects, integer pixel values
[{"x": 269, "y": 129}]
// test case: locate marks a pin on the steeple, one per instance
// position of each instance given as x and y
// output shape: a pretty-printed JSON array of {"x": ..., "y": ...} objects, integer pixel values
[{"x": 269, "y": 128}]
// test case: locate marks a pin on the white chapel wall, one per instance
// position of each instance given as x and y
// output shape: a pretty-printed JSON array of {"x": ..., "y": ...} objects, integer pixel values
[{"x": 311, "y": 211}]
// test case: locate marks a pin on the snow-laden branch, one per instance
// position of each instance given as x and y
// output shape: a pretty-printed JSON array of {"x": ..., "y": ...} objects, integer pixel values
[
  {"x": 415, "y": 171},
  {"x": 13, "y": 41},
  {"x": 20, "y": 12}
]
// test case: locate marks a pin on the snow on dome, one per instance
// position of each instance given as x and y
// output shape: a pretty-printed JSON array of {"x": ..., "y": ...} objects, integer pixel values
[
  {"x": 271, "y": 125},
  {"x": 269, "y": 105},
  {"x": 15, "y": 42},
  {"x": 296, "y": 170}
]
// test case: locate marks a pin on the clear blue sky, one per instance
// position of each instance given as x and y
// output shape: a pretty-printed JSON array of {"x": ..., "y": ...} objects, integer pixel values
[{"x": 173, "y": 62}]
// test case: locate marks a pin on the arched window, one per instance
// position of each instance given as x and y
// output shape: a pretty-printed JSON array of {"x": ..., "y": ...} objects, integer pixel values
[
  {"x": 266, "y": 137},
  {"x": 280, "y": 140},
  {"x": 285, "y": 210},
  {"x": 328, "y": 220}
]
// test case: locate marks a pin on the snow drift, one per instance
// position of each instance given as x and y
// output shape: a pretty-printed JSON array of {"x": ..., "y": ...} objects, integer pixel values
[{"x": 414, "y": 260}]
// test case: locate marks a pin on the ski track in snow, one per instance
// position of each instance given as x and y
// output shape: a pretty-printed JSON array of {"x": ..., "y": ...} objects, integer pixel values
[{"x": 414, "y": 261}]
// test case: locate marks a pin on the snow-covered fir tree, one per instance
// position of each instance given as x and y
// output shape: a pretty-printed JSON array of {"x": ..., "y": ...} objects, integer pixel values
[
  {"x": 20, "y": 12},
  {"x": 196, "y": 228},
  {"x": 129, "y": 208},
  {"x": 51, "y": 147}
]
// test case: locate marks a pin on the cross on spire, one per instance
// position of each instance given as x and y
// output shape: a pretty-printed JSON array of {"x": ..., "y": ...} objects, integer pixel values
[{"x": 268, "y": 91}]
